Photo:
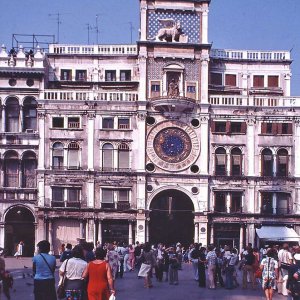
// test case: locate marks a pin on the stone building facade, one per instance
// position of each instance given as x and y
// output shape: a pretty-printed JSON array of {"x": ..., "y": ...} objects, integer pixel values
[{"x": 166, "y": 140}]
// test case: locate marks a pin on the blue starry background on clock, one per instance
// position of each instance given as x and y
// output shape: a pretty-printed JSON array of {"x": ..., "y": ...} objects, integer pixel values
[{"x": 190, "y": 23}]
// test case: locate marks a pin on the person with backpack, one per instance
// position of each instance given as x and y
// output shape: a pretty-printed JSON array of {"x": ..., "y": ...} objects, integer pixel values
[{"x": 269, "y": 268}]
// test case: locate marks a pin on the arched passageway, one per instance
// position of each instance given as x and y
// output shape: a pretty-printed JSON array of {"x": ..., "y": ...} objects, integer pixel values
[{"x": 171, "y": 218}]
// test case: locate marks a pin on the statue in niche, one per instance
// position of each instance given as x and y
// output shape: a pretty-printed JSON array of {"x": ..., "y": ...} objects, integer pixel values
[
  {"x": 170, "y": 32},
  {"x": 173, "y": 89}
]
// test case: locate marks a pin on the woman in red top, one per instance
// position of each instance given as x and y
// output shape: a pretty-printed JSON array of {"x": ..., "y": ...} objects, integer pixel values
[{"x": 98, "y": 271}]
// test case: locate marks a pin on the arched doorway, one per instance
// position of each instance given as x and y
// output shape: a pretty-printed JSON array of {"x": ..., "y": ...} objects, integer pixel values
[
  {"x": 171, "y": 218},
  {"x": 19, "y": 226}
]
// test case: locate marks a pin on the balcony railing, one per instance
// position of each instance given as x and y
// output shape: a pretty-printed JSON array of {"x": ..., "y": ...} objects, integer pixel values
[
  {"x": 89, "y": 95},
  {"x": 251, "y": 100},
  {"x": 250, "y": 55},
  {"x": 274, "y": 211}
]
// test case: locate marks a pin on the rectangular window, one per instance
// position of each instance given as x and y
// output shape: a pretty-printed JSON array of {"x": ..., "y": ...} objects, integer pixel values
[
  {"x": 236, "y": 127},
  {"x": 81, "y": 75},
  {"x": 125, "y": 75},
  {"x": 123, "y": 123},
  {"x": 73, "y": 122},
  {"x": 191, "y": 90},
  {"x": 236, "y": 203},
  {"x": 216, "y": 78},
  {"x": 220, "y": 202},
  {"x": 267, "y": 203},
  {"x": 123, "y": 195},
  {"x": 73, "y": 197},
  {"x": 220, "y": 165},
  {"x": 258, "y": 81},
  {"x": 110, "y": 75},
  {"x": 155, "y": 89},
  {"x": 108, "y": 123},
  {"x": 107, "y": 198},
  {"x": 57, "y": 197},
  {"x": 220, "y": 127},
  {"x": 282, "y": 203},
  {"x": 273, "y": 81},
  {"x": 58, "y": 122},
  {"x": 230, "y": 79},
  {"x": 236, "y": 168},
  {"x": 66, "y": 75}
]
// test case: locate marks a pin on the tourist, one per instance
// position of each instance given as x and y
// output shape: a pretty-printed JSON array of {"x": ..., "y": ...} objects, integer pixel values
[
  {"x": 67, "y": 253},
  {"x": 137, "y": 254},
  {"x": 88, "y": 251},
  {"x": 113, "y": 260},
  {"x": 20, "y": 250},
  {"x": 131, "y": 258},
  {"x": 159, "y": 268},
  {"x": 148, "y": 259},
  {"x": 284, "y": 261},
  {"x": 166, "y": 263},
  {"x": 220, "y": 264},
  {"x": 248, "y": 268},
  {"x": 100, "y": 280},
  {"x": 43, "y": 271},
  {"x": 121, "y": 251},
  {"x": 194, "y": 256},
  {"x": 293, "y": 283},
  {"x": 61, "y": 249},
  {"x": 231, "y": 262},
  {"x": 173, "y": 266},
  {"x": 202, "y": 267},
  {"x": 211, "y": 260},
  {"x": 269, "y": 267},
  {"x": 72, "y": 269}
]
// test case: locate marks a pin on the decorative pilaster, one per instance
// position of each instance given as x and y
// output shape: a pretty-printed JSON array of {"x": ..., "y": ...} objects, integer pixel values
[
  {"x": 90, "y": 141},
  {"x": 196, "y": 232},
  {"x": 204, "y": 77},
  {"x": 251, "y": 147},
  {"x": 130, "y": 241}
]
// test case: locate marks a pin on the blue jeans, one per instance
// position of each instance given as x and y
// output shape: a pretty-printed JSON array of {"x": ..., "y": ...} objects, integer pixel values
[{"x": 229, "y": 277}]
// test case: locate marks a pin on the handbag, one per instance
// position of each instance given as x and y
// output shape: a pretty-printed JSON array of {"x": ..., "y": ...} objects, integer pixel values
[
  {"x": 112, "y": 297},
  {"x": 258, "y": 273},
  {"x": 144, "y": 270},
  {"x": 61, "y": 292}
]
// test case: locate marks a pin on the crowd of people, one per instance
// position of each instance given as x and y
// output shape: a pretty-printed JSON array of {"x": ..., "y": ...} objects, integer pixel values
[{"x": 89, "y": 272}]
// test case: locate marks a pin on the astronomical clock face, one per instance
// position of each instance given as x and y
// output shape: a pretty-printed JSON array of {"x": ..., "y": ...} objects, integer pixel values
[{"x": 172, "y": 146}]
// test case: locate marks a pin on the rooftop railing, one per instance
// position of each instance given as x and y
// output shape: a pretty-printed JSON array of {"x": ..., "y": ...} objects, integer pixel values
[
  {"x": 250, "y": 55},
  {"x": 93, "y": 49}
]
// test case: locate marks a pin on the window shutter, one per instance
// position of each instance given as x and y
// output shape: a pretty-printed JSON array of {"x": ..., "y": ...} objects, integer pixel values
[
  {"x": 221, "y": 158},
  {"x": 290, "y": 128},
  {"x": 263, "y": 128},
  {"x": 274, "y": 128},
  {"x": 108, "y": 158},
  {"x": 123, "y": 159},
  {"x": 279, "y": 128},
  {"x": 73, "y": 158},
  {"x": 244, "y": 127},
  {"x": 123, "y": 195},
  {"x": 228, "y": 127},
  {"x": 107, "y": 196},
  {"x": 213, "y": 126},
  {"x": 272, "y": 81}
]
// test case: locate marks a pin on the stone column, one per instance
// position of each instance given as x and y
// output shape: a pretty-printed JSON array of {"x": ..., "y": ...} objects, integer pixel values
[
  {"x": 130, "y": 241},
  {"x": 90, "y": 186},
  {"x": 90, "y": 141},
  {"x": 228, "y": 202},
  {"x": 81, "y": 229},
  {"x": 204, "y": 153},
  {"x": 204, "y": 27},
  {"x": 212, "y": 233},
  {"x": 251, "y": 147},
  {"x": 41, "y": 130},
  {"x": 50, "y": 237},
  {"x": 274, "y": 165},
  {"x": 21, "y": 119},
  {"x": 95, "y": 232},
  {"x": 241, "y": 238},
  {"x": 2, "y": 233},
  {"x": 100, "y": 231},
  {"x": 204, "y": 77},
  {"x": 297, "y": 148},
  {"x": 287, "y": 87},
  {"x": 196, "y": 233},
  {"x": 3, "y": 129},
  {"x": 143, "y": 16},
  {"x": 147, "y": 230},
  {"x": 274, "y": 203},
  {"x": 141, "y": 230}
]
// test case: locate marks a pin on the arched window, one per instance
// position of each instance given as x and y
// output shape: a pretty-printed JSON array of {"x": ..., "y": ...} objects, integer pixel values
[
  {"x": 29, "y": 165},
  {"x": 73, "y": 156},
  {"x": 123, "y": 156},
  {"x": 267, "y": 162},
  {"x": 282, "y": 162},
  {"x": 107, "y": 157},
  {"x": 11, "y": 169},
  {"x": 12, "y": 111},
  {"x": 29, "y": 114},
  {"x": 220, "y": 159},
  {"x": 57, "y": 156},
  {"x": 236, "y": 162}
]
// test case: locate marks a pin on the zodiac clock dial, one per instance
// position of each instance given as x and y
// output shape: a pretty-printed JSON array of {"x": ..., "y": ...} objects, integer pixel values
[{"x": 172, "y": 146}]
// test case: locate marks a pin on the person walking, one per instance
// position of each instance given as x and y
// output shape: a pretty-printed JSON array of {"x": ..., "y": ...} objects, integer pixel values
[
  {"x": 202, "y": 267},
  {"x": 269, "y": 268},
  {"x": 220, "y": 267},
  {"x": 113, "y": 260},
  {"x": 43, "y": 270},
  {"x": 100, "y": 279},
  {"x": 194, "y": 254},
  {"x": 149, "y": 261},
  {"x": 230, "y": 268},
  {"x": 293, "y": 281},
  {"x": 211, "y": 259},
  {"x": 72, "y": 269},
  {"x": 131, "y": 258},
  {"x": 174, "y": 266},
  {"x": 20, "y": 250},
  {"x": 285, "y": 259},
  {"x": 249, "y": 261},
  {"x": 67, "y": 253}
]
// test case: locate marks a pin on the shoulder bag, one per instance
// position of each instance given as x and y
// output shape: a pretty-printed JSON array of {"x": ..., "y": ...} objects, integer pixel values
[{"x": 61, "y": 292}]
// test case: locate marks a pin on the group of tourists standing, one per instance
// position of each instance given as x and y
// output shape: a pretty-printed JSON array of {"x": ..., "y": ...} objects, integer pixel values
[{"x": 90, "y": 272}]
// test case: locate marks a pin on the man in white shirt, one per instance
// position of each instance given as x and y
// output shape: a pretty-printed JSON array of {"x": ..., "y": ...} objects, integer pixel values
[{"x": 284, "y": 259}]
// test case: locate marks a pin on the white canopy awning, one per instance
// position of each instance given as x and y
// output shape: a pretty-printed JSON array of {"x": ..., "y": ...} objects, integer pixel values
[{"x": 278, "y": 234}]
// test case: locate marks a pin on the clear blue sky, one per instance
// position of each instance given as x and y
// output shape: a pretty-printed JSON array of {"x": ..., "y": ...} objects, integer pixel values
[{"x": 234, "y": 24}]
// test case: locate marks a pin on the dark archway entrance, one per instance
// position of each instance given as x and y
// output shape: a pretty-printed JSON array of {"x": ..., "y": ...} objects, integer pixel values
[
  {"x": 171, "y": 218},
  {"x": 19, "y": 226}
]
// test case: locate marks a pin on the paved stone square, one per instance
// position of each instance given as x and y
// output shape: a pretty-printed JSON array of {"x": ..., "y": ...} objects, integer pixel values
[{"x": 130, "y": 287}]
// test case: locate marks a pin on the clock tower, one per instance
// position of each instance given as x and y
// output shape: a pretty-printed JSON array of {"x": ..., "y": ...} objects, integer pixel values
[{"x": 173, "y": 63}]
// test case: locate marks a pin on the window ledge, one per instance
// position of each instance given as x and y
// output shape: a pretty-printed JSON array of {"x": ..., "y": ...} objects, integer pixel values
[{"x": 70, "y": 129}]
